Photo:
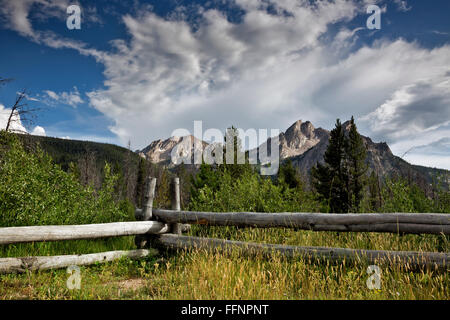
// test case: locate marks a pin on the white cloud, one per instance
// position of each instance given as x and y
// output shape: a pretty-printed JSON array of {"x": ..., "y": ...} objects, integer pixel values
[
  {"x": 72, "y": 98},
  {"x": 52, "y": 94},
  {"x": 16, "y": 123},
  {"x": 416, "y": 115},
  {"x": 38, "y": 131},
  {"x": 266, "y": 71},
  {"x": 171, "y": 73},
  {"x": 433, "y": 161}
]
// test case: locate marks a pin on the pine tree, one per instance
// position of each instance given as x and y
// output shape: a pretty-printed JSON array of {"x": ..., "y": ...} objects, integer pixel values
[
  {"x": 331, "y": 180},
  {"x": 357, "y": 168},
  {"x": 374, "y": 192},
  {"x": 140, "y": 183},
  {"x": 236, "y": 169},
  {"x": 206, "y": 176},
  {"x": 289, "y": 176}
]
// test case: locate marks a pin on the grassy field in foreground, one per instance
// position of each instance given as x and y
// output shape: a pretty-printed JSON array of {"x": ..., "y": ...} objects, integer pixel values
[{"x": 204, "y": 275}]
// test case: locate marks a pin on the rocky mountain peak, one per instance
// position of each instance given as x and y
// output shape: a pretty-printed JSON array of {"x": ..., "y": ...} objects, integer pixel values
[
  {"x": 160, "y": 150},
  {"x": 298, "y": 138},
  {"x": 300, "y": 128}
]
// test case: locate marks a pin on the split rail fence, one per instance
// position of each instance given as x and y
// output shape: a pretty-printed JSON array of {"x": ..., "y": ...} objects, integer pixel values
[{"x": 164, "y": 228}]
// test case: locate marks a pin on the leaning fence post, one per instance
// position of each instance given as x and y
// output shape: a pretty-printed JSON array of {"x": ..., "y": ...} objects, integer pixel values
[
  {"x": 148, "y": 199},
  {"x": 147, "y": 206},
  {"x": 176, "y": 204}
]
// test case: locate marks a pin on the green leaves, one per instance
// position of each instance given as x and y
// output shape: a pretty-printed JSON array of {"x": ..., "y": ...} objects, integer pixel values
[
  {"x": 250, "y": 192},
  {"x": 35, "y": 191}
]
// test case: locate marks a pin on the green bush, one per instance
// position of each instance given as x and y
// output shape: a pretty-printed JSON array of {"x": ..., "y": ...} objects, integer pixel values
[
  {"x": 251, "y": 193},
  {"x": 35, "y": 191},
  {"x": 400, "y": 196}
]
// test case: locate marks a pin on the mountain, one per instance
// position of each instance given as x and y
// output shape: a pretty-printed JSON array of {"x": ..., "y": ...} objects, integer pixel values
[
  {"x": 160, "y": 151},
  {"x": 379, "y": 157},
  {"x": 298, "y": 138},
  {"x": 305, "y": 145}
]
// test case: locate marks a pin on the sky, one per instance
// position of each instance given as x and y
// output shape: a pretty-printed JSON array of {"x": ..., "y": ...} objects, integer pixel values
[{"x": 136, "y": 71}]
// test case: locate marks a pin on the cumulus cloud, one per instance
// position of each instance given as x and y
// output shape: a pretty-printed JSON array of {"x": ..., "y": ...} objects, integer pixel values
[
  {"x": 172, "y": 73},
  {"x": 415, "y": 118},
  {"x": 38, "y": 131}
]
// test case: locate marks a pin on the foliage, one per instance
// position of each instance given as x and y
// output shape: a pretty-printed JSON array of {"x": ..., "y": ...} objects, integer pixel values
[
  {"x": 400, "y": 196},
  {"x": 289, "y": 176},
  {"x": 250, "y": 192},
  {"x": 86, "y": 159},
  {"x": 35, "y": 191}
]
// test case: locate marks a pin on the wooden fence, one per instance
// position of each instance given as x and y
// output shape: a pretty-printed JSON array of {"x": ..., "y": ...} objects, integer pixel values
[{"x": 163, "y": 228}]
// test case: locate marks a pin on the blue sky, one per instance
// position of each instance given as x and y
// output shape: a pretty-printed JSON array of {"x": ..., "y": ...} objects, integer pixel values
[{"x": 138, "y": 70}]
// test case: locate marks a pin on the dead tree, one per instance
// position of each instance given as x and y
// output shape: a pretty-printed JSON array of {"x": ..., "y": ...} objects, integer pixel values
[{"x": 20, "y": 112}]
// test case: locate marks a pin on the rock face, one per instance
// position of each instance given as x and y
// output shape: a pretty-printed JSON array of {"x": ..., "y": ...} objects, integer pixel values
[
  {"x": 297, "y": 139},
  {"x": 300, "y": 137},
  {"x": 160, "y": 151}
]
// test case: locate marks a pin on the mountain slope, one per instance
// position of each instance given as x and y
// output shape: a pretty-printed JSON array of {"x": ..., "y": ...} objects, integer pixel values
[{"x": 64, "y": 151}]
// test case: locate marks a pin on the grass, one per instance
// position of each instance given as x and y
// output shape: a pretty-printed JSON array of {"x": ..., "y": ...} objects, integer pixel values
[{"x": 213, "y": 275}]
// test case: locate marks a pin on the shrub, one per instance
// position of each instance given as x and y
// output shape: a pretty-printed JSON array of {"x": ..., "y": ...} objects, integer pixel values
[{"x": 35, "y": 191}]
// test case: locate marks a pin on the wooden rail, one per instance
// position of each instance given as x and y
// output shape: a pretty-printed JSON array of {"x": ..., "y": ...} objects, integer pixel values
[
  {"x": 20, "y": 265},
  {"x": 79, "y": 232},
  {"x": 414, "y": 223},
  {"x": 414, "y": 260}
]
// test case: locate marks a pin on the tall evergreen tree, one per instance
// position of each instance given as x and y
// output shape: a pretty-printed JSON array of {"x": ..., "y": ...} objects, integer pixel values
[
  {"x": 331, "y": 179},
  {"x": 357, "y": 167},
  {"x": 374, "y": 192},
  {"x": 235, "y": 155},
  {"x": 288, "y": 175},
  {"x": 206, "y": 176},
  {"x": 140, "y": 183}
]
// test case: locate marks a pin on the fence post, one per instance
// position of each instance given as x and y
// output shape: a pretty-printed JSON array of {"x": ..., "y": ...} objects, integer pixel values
[
  {"x": 149, "y": 195},
  {"x": 176, "y": 228},
  {"x": 147, "y": 206}
]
